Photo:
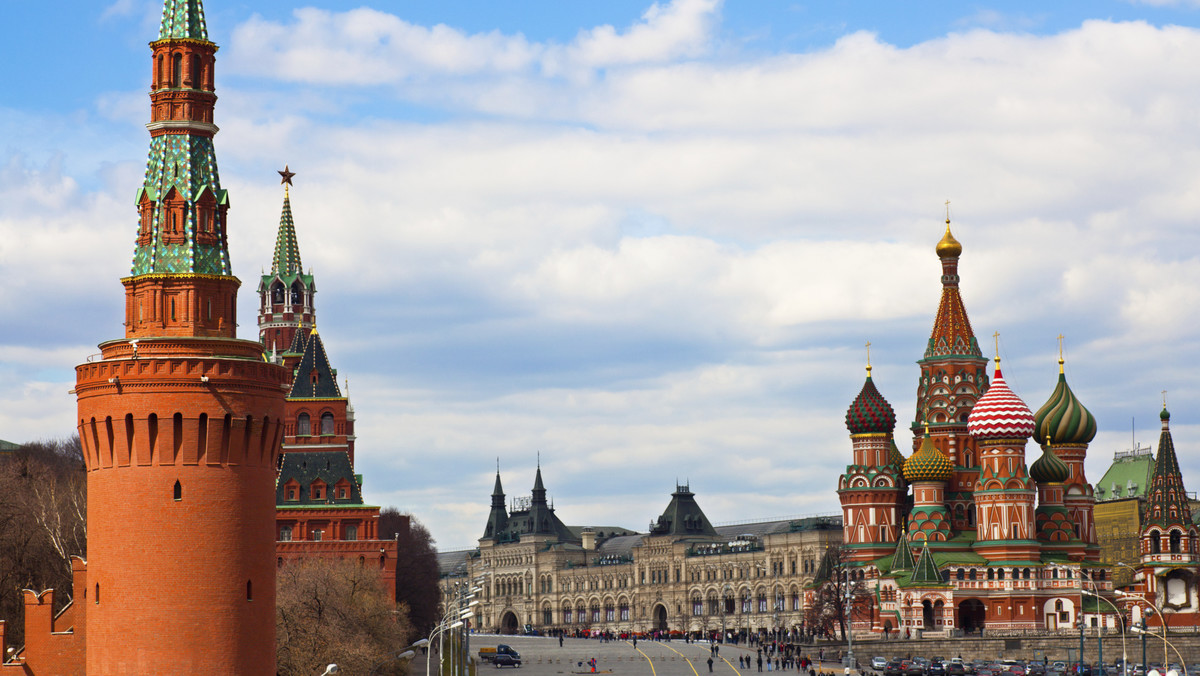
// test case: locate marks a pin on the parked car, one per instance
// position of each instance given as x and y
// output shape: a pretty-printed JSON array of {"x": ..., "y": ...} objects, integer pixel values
[
  {"x": 956, "y": 669},
  {"x": 878, "y": 663},
  {"x": 936, "y": 668},
  {"x": 894, "y": 668},
  {"x": 913, "y": 668},
  {"x": 503, "y": 660}
]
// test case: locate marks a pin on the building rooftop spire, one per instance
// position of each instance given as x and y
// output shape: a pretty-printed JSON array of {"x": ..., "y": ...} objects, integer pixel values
[
  {"x": 183, "y": 20},
  {"x": 286, "y": 261}
]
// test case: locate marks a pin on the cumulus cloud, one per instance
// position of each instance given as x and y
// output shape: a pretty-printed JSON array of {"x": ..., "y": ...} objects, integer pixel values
[{"x": 635, "y": 250}]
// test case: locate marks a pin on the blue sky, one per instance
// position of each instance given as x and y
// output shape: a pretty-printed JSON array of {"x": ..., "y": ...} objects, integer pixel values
[{"x": 646, "y": 241}]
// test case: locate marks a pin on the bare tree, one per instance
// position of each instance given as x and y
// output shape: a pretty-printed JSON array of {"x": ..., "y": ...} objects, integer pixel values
[
  {"x": 43, "y": 512},
  {"x": 336, "y": 612},
  {"x": 839, "y": 592},
  {"x": 416, "y": 567}
]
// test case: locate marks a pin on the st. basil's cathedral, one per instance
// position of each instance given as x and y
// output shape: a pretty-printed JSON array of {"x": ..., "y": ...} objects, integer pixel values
[{"x": 980, "y": 541}]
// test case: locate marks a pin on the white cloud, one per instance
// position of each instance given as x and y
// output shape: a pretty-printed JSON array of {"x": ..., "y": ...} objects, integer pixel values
[{"x": 670, "y": 265}]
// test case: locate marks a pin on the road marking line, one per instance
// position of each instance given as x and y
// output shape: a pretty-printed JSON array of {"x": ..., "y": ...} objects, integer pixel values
[
  {"x": 652, "y": 671},
  {"x": 685, "y": 659}
]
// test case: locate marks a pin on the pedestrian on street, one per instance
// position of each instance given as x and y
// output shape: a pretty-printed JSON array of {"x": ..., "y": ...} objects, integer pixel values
[
  {"x": 760, "y": 661},
  {"x": 560, "y": 640},
  {"x": 710, "y": 665}
]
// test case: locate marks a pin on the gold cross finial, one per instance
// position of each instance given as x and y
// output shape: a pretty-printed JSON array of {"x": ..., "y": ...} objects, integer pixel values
[
  {"x": 1164, "y": 393},
  {"x": 996, "y": 336},
  {"x": 868, "y": 358},
  {"x": 1060, "y": 353},
  {"x": 947, "y": 212}
]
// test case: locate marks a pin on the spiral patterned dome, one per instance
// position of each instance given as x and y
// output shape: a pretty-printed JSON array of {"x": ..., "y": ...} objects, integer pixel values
[
  {"x": 948, "y": 247},
  {"x": 895, "y": 457},
  {"x": 1049, "y": 469},
  {"x": 1000, "y": 414},
  {"x": 870, "y": 412},
  {"x": 928, "y": 464},
  {"x": 1062, "y": 419}
]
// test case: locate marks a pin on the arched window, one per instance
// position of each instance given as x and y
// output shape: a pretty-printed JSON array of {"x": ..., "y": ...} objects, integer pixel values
[
  {"x": 327, "y": 424},
  {"x": 178, "y": 491},
  {"x": 297, "y": 294},
  {"x": 277, "y": 293},
  {"x": 1155, "y": 542},
  {"x": 991, "y": 574},
  {"x": 195, "y": 74},
  {"x": 176, "y": 69},
  {"x": 960, "y": 574},
  {"x": 303, "y": 425},
  {"x": 971, "y": 575},
  {"x": 1176, "y": 541}
]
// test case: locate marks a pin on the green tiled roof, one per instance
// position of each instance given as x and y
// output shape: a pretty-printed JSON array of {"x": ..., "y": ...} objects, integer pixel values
[
  {"x": 8, "y": 446},
  {"x": 183, "y": 19},
  {"x": 186, "y": 163},
  {"x": 1128, "y": 477},
  {"x": 926, "y": 571},
  {"x": 903, "y": 558}
]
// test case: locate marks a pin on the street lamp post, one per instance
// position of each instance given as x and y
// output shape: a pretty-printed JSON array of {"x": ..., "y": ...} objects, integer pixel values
[
  {"x": 849, "y": 619},
  {"x": 1152, "y": 606},
  {"x": 1150, "y": 603},
  {"x": 1121, "y": 619}
]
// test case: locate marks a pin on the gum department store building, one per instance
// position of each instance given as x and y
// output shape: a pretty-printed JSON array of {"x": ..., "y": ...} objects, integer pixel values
[{"x": 960, "y": 536}]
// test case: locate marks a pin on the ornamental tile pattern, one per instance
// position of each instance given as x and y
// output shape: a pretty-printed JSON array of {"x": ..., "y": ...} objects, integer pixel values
[
  {"x": 187, "y": 164},
  {"x": 1000, "y": 413},
  {"x": 870, "y": 412},
  {"x": 183, "y": 19}
]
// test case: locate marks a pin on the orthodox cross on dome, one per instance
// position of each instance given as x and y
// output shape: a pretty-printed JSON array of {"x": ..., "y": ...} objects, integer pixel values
[
  {"x": 1164, "y": 394},
  {"x": 947, "y": 211},
  {"x": 996, "y": 336},
  {"x": 868, "y": 357},
  {"x": 1060, "y": 353}
]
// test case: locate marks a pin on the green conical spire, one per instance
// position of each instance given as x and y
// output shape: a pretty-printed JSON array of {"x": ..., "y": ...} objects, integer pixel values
[
  {"x": 903, "y": 559},
  {"x": 183, "y": 20},
  {"x": 926, "y": 571},
  {"x": 287, "y": 252}
]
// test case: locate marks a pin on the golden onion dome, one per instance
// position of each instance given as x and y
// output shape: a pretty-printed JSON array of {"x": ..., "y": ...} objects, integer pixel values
[
  {"x": 928, "y": 464},
  {"x": 948, "y": 247}
]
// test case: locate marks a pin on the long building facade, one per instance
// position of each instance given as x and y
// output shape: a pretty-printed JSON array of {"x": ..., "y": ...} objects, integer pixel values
[{"x": 681, "y": 575}]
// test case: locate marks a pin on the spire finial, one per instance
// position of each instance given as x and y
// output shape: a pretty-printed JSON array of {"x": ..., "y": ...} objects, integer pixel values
[
  {"x": 286, "y": 175},
  {"x": 1060, "y": 353},
  {"x": 947, "y": 213},
  {"x": 868, "y": 359},
  {"x": 996, "y": 336},
  {"x": 1164, "y": 394}
]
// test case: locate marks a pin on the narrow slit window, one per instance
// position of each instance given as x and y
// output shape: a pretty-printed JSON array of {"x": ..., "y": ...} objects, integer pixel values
[{"x": 178, "y": 491}]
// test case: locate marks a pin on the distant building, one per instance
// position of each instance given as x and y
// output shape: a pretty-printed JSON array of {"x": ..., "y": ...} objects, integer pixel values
[
  {"x": 8, "y": 446},
  {"x": 682, "y": 575}
]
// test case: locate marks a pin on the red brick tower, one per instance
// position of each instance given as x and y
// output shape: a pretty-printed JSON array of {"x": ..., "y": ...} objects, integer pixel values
[{"x": 181, "y": 422}]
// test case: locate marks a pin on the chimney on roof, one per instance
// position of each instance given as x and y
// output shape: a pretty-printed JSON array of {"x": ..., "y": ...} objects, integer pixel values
[{"x": 589, "y": 538}]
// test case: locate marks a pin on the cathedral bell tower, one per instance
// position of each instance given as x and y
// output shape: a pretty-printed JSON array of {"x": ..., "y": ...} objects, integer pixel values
[{"x": 180, "y": 421}]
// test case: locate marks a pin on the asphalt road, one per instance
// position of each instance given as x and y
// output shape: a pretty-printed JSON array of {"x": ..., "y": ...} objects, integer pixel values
[{"x": 541, "y": 656}]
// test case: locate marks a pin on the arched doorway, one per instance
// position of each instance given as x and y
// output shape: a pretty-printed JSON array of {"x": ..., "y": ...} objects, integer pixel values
[
  {"x": 509, "y": 623},
  {"x": 971, "y": 614},
  {"x": 927, "y": 614},
  {"x": 660, "y": 617}
]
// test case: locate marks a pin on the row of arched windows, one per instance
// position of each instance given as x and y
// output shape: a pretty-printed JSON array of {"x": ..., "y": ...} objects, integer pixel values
[{"x": 304, "y": 425}]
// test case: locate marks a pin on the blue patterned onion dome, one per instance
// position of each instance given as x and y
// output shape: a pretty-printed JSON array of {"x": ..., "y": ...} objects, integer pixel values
[
  {"x": 1062, "y": 419},
  {"x": 928, "y": 464},
  {"x": 1049, "y": 469},
  {"x": 870, "y": 412},
  {"x": 1000, "y": 413}
]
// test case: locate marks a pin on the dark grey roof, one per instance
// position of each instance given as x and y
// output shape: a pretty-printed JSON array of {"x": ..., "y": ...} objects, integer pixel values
[
  {"x": 621, "y": 545},
  {"x": 760, "y": 529},
  {"x": 682, "y": 517},
  {"x": 453, "y": 564},
  {"x": 298, "y": 340},
  {"x": 308, "y": 466},
  {"x": 314, "y": 378}
]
